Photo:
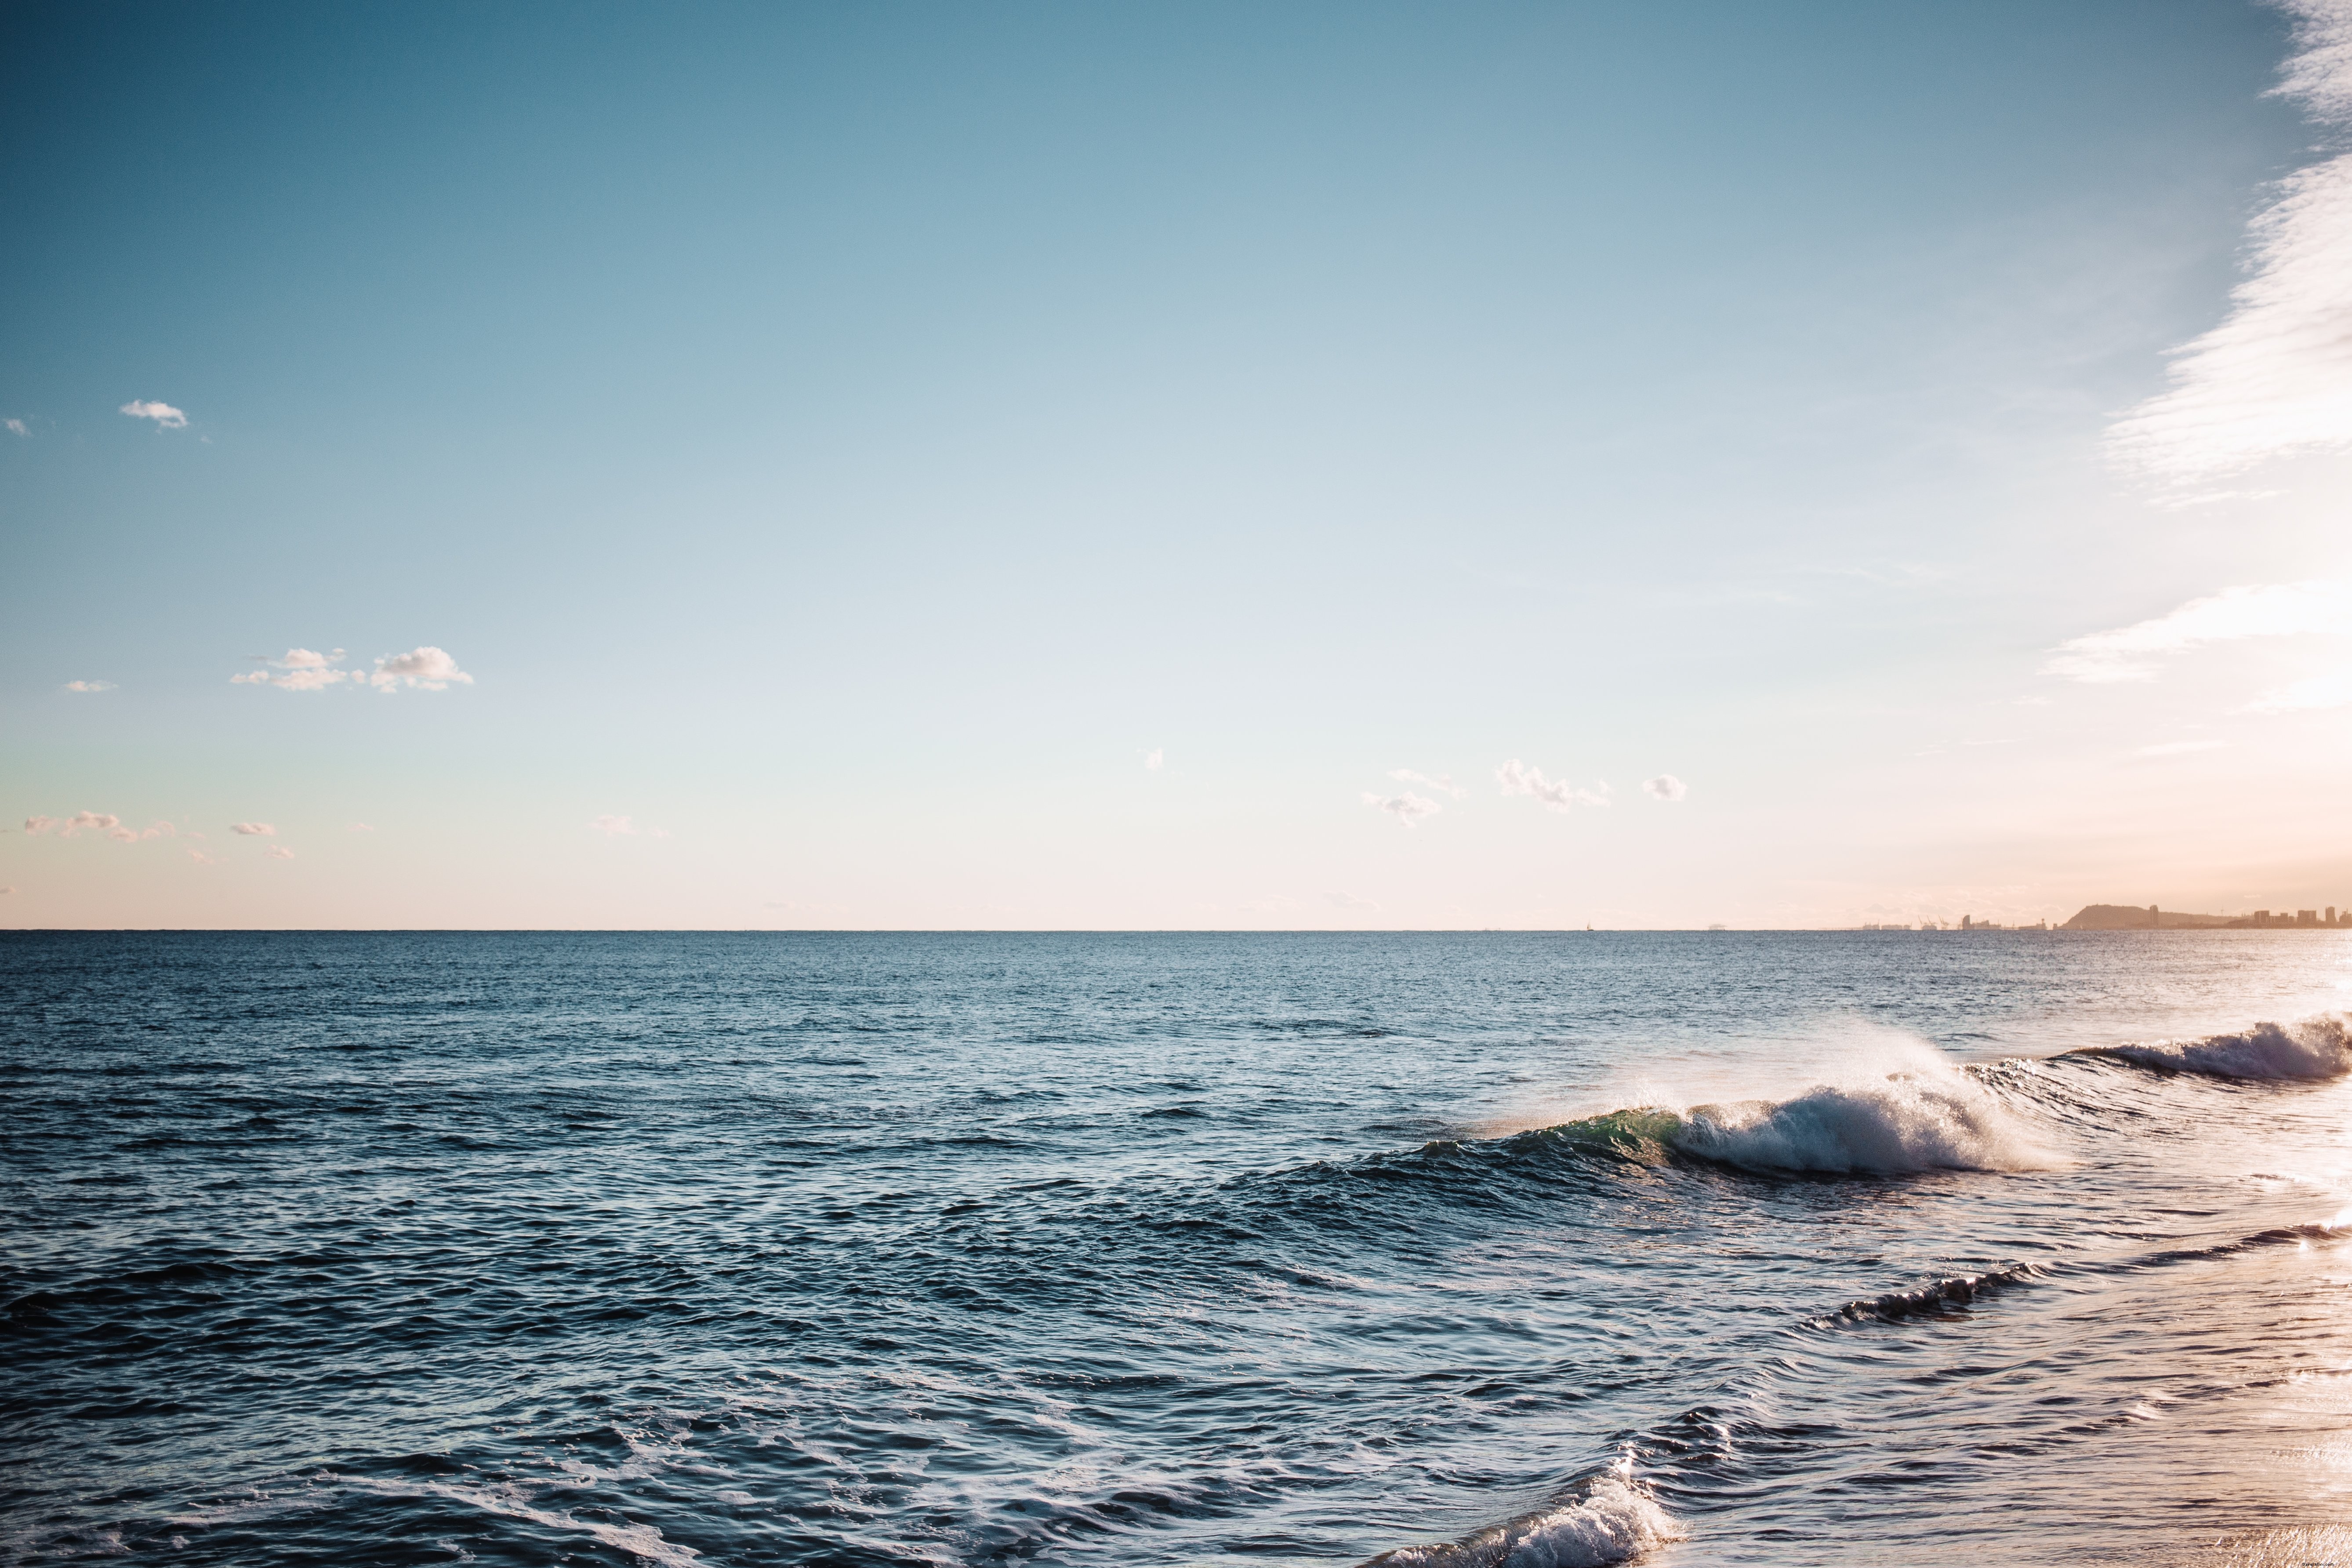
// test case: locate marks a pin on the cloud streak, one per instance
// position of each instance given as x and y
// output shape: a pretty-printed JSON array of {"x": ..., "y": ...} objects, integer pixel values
[
  {"x": 1518, "y": 778},
  {"x": 1665, "y": 787},
  {"x": 306, "y": 669},
  {"x": 253, "y": 829},
  {"x": 2331, "y": 691},
  {"x": 102, "y": 822},
  {"x": 2136, "y": 652},
  {"x": 166, "y": 416},
  {"x": 2275, "y": 377},
  {"x": 90, "y": 685}
]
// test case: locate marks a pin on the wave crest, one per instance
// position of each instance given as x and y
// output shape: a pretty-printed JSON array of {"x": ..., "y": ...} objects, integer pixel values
[
  {"x": 1928, "y": 1120},
  {"x": 2311, "y": 1050},
  {"x": 1615, "y": 1521}
]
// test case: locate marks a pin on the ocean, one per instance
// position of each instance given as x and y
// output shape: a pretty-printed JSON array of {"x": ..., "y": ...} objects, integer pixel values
[{"x": 1449, "y": 1250}]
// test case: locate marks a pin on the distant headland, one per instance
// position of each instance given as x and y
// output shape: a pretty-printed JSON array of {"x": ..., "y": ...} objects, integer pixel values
[{"x": 2132, "y": 917}]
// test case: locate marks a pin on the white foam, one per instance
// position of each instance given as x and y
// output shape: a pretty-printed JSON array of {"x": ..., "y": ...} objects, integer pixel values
[
  {"x": 2315, "y": 1049},
  {"x": 1615, "y": 1521},
  {"x": 1915, "y": 1120}
]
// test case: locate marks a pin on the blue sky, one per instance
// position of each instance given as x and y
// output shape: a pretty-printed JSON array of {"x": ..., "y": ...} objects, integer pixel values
[{"x": 1049, "y": 466}]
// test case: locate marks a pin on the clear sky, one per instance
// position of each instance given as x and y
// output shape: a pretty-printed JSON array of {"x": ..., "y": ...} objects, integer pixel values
[{"x": 1197, "y": 465}]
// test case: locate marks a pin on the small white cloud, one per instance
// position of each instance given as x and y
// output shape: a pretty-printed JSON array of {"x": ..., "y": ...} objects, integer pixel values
[
  {"x": 360, "y": 827},
  {"x": 201, "y": 859},
  {"x": 2280, "y": 609},
  {"x": 2179, "y": 748},
  {"x": 1406, "y": 775},
  {"x": 661, "y": 833},
  {"x": 1665, "y": 787},
  {"x": 39, "y": 824},
  {"x": 1407, "y": 808},
  {"x": 1518, "y": 778},
  {"x": 253, "y": 829},
  {"x": 90, "y": 685},
  {"x": 610, "y": 825},
  {"x": 426, "y": 667},
  {"x": 2332, "y": 690},
  {"x": 15, "y": 426},
  {"x": 279, "y": 852},
  {"x": 1154, "y": 757},
  {"x": 166, "y": 416},
  {"x": 1350, "y": 901}
]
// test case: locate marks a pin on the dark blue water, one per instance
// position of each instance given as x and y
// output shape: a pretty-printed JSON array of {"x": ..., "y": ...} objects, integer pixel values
[{"x": 1481, "y": 1248}]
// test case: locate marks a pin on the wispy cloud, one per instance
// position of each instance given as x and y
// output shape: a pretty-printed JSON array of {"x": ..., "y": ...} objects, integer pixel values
[
  {"x": 360, "y": 827},
  {"x": 254, "y": 829},
  {"x": 2275, "y": 377},
  {"x": 1518, "y": 778},
  {"x": 15, "y": 426},
  {"x": 90, "y": 685},
  {"x": 1407, "y": 808},
  {"x": 306, "y": 669},
  {"x": 1406, "y": 775},
  {"x": 1665, "y": 787},
  {"x": 302, "y": 669},
  {"x": 2133, "y": 652},
  {"x": 104, "y": 822},
  {"x": 2179, "y": 748},
  {"x": 610, "y": 825},
  {"x": 2331, "y": 691},
  {"x": 166, "y": 416},
  {"x": 1154, "y": 757},
  {"x": 1350, "y": 901},
  {"x": 201, "y": 859},
  {"x": 279, "y": 852}
]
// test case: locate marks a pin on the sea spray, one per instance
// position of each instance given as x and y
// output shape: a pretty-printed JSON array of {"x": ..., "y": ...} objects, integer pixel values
[
  {"x": 1858, "y": 1117},
  {"x": 2310, "y": 1049},
  {"x": 1614, "y": 1520}
]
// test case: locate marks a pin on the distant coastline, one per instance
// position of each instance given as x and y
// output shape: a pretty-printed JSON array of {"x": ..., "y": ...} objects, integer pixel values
[
  {"x": 2149, "y": 917},
  {"x": 2130, "y": 917}
]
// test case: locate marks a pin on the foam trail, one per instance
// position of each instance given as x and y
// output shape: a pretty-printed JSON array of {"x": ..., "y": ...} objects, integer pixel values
[
  {"x": 2311, "y": 1050},
  {"x": 1615, "y": 1521}
]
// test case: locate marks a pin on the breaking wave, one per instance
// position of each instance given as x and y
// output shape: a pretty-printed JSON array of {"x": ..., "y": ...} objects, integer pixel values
[
  {"x": 1929, "y": 1117},
  {"x": 1615, "y": 1520},
  {"x": 2311, "y": 1050}
]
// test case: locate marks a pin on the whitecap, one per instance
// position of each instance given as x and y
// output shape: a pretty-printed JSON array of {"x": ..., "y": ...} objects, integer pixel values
[{"x": 2313, "y": 1050}]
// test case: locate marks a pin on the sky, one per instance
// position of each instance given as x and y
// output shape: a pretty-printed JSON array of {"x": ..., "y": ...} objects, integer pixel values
[{"x": 1200, "y": 467}]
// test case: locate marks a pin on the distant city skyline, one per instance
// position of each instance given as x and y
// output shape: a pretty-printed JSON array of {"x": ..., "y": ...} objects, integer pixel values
[{"x": 1507, "y": 466}]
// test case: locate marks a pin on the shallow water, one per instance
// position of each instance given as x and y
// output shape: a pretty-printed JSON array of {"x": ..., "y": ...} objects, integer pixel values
[{"x": 1478, "y": 1248}]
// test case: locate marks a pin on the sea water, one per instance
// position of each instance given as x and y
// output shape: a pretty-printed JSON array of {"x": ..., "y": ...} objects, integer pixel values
[{"x": 1449, "y": 1249}]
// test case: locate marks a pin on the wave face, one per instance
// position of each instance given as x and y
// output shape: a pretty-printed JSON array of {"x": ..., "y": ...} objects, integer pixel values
[
  {"x": 1926, "y": 1114},
  {"x": 1116, "y": 1251},
  {"x": 2311, "y": 1050}
]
